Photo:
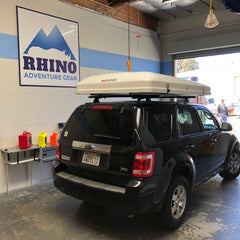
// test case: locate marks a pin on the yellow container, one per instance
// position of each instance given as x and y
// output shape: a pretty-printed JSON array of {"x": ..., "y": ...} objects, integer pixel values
[{"x": 42, "y": 140}]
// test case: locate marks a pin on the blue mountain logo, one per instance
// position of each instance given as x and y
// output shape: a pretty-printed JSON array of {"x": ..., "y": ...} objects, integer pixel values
[{"x": 54, "y": 40}]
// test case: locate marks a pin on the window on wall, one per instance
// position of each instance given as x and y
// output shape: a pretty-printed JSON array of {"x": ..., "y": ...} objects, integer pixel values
[{"x": 219, "y": 71}]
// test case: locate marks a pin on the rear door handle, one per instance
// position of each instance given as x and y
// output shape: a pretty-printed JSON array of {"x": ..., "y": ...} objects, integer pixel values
[
  {"x": 213, "y": 140},
  {"x": 189, "y": 147}
]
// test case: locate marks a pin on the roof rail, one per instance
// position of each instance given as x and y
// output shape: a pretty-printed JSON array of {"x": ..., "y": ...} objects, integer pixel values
[{"x": 140, "y": 96}]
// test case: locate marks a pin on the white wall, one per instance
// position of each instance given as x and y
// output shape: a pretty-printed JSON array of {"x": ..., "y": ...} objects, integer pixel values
[{"x": 37, "y": 109}]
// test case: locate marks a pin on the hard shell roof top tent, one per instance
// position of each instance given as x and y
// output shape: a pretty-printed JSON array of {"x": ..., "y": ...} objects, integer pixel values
[{"x": 140, "y": 84}]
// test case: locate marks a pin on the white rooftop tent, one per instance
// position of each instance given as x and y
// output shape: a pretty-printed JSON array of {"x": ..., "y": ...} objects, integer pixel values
[{"x": 139, "y": 82}]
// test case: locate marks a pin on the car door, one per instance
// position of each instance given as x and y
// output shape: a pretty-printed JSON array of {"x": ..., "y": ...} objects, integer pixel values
[
  {"x": 217, "y": 139},
  {"x": 195, "y": 142}
]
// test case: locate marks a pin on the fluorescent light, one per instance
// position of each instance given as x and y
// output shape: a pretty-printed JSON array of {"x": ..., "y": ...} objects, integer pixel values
[{"x": 169, "y": 1}]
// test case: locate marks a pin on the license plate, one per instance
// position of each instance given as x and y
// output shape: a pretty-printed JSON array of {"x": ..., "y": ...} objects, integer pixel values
[{"x": 91, "y": 158}]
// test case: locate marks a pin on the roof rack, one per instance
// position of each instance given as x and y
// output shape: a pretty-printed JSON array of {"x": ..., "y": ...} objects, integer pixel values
[{"x": 140, "y": 96}]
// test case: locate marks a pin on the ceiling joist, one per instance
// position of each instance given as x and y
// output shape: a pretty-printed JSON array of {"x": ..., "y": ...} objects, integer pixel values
[{"x": 118, "y": 9}]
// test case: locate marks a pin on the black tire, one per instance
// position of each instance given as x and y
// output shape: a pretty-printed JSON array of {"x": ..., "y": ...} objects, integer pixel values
[
  {"x": 176, "y": 203},
  {"x": 232, "y": 166}
]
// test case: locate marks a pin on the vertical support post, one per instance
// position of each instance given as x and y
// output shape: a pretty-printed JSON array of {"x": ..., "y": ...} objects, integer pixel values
[
  {"x": 7, "y": 157},
  {"x": 41, "y": 164},
  {"x": 30, "y": 173}
]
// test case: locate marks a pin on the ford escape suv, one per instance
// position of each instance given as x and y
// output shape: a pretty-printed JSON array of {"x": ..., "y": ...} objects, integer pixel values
[{"x": 143, "y": 155}]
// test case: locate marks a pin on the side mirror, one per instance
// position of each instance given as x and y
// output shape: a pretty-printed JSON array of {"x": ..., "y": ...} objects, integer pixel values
[{"x": 226, "y": 127}]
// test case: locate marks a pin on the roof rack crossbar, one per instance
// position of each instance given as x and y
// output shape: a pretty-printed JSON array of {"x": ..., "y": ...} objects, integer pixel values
[{"x": 142, "y": 95}]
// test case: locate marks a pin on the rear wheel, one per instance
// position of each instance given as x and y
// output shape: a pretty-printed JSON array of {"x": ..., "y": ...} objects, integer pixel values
[
  {"x": 176, "y": 202},
  {"x": 233, "y": 166}
]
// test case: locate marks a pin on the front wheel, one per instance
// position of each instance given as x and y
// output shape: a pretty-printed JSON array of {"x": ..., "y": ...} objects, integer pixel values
[
  {"x": 233, "y": 166},
  {"x": 176, "y": 202}
]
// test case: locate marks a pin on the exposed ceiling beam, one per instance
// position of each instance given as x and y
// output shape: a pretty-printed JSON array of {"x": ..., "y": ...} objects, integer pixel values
[{"x": 118, "y": 9}]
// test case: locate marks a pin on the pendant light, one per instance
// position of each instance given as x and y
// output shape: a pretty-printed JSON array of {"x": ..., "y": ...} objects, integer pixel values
[{"x": 211, "y": 19}]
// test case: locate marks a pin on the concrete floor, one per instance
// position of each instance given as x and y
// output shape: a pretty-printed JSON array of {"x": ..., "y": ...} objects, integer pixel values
[{"x": 33, "y": 213}]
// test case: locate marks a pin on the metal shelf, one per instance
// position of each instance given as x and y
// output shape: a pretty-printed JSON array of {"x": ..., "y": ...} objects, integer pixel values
[
  {"x": 12, "y": 150},
  {"x": 23, "y": 161},
  {"x": 15, "y": 156},
  {"x": 49, "y": 159}
]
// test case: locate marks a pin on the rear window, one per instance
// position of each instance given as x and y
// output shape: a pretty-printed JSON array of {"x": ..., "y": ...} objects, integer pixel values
[{"x": 103, "y": 126}]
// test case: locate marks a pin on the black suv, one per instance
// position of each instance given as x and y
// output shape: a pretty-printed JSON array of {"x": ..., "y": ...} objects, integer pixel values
[{"x": 142, "y": 155}]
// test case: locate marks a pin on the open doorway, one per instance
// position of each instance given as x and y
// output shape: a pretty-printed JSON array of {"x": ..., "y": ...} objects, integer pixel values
[{"x": 222, "y": 74}]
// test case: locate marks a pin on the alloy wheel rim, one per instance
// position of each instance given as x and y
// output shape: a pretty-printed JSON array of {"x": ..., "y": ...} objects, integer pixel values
[
  {"x": 234, "y": 163},
  {"x": 178, "y": 203}
]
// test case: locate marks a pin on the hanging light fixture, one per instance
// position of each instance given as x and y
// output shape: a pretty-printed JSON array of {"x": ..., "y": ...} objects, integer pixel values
[
  {"x": 211, "y": 18},
  {"x": 169, "y": 1}
]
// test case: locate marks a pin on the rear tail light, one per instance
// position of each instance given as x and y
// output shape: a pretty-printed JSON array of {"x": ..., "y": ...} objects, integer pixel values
[
  {"x": 58, "y": 152},
  {"x": 143, "y": 164}
]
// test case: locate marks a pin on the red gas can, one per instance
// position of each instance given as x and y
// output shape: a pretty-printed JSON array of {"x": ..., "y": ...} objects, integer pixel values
[
  {"x": 25, "y": 140},
  {"x": 54, "y": 139}
]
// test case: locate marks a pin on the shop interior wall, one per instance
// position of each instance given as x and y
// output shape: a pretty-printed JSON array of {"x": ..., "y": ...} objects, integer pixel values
[
  {"x": 103, "y": 48},
  {"x": 188, "y": 35}
]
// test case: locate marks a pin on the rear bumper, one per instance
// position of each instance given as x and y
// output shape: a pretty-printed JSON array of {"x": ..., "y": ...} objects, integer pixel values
[{"x": 136, "y": 197}]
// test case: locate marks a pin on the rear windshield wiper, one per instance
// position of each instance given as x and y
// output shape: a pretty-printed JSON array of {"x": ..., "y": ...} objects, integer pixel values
[{"x": 106, "y": 136}]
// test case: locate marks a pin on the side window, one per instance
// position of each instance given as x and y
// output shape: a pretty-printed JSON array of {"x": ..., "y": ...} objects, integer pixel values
[
  {"x": 188, "y": 122},
  {"x": 159, "y": 124},
  {"x": 208, "y": 121}
]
